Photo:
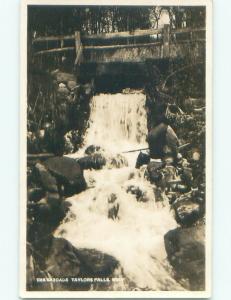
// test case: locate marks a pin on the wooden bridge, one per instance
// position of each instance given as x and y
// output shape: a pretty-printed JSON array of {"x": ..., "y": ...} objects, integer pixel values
[{"x": 96, "y": 54}]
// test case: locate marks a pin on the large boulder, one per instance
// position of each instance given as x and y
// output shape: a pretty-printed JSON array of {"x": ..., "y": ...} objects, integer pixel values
[
  {"x": 187, "y": 212},
  {"x": 96, "y": 264},
  {"x": 63, "y": 260},
  {"x": 68, "y": 173},
  {"x": 54, "y": 178},
  {"x": 185, "y": 248}
]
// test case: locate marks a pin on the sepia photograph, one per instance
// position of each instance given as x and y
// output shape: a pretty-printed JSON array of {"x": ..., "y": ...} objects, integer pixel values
[{"x": 115, "y": 149}]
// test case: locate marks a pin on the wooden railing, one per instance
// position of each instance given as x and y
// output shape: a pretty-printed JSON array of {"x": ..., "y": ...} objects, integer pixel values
[{"x": 118, "y": 40}]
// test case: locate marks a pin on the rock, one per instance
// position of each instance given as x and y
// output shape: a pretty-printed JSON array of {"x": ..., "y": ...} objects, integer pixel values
[
  {"x": 71, "y": 84},
  {"x": 68, "y": 147},
  {"x": 58, "y": 258},
  {"x": 92, "y": 149},
  {"x": 72, "y": 141},
  {"x": 153, "y": 171},
  {"x": 179, "y": 188},
  {"x": 68, "y": 173},
  {"x": 35, "y": 194},
  {"x": 33, "y": 271},
  {"x": 43, "y": 212},
  {"x": 62, "y": 85},
  {"x": 53, "y": 199},
  {"x": 44, "y": 177},
  {"x": 95, "y": 161},
  {"x": 169, "y": 174},
  {"x": 64, "y": 260},
  {"x": 140, "y": 195},
  {"x": 88, "y": 89},
  {"x": 32, "y": 143},
  {"x": 62, "y": 77},
  {"x": 44, "y": 217},
  {"x": 158, "y": 194},
  {"x": 191, "y": 103},
  {"x": 187, "y": 212},
  {"x": 57, "y": 177},
  {"x": 49, "y": 209},
  {"x": 117, "y": 161},
  {"x": 186, "y": 176},
  {"x": 185, "y": 248},
  {"x": 142, "y": 159},
  {"x": 113, "y": 207},
  {"x": 95, "y": 263},
  {"x": 113, "y": 211},
  {"x": 198, "y": 195},
  {"x": 62, "y": 92}
]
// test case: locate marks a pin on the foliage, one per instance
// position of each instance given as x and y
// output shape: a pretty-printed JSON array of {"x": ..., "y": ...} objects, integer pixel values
[{"x": 48, "y": 20}]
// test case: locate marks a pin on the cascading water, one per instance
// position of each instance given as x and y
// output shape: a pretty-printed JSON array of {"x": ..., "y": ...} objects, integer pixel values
[
  {"x": 107, "y": 216},
  {"x": 117, "y": 121}
]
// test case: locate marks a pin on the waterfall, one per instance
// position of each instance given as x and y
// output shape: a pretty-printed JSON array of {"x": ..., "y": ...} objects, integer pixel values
[
  {"x": 117, "y": 121},
  {"x": 107, "y": 216}
]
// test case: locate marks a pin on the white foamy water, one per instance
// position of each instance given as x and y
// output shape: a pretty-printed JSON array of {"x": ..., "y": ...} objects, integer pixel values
[
  {"x": 108, "y": 218},
  {"x": 117, "y": 121}
]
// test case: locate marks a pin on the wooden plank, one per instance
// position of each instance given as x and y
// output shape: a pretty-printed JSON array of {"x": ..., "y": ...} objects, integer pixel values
[
  {"x": 54, "y": 50},
  {"x": 187, "y": 30},
  {"x": 88, "y": 48},
  {"x": 166, "y": 39},
  {"x": 123, "y": 34},
  {"x": 78, "y": 48},
  {"x": 122, "y": 46},
  {"x": 53, "y": 38},
  {"x": 188, "y": 41}
]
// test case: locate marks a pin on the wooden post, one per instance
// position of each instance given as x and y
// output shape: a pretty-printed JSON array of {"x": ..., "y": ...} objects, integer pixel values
[
  {"x": 166, "y": 40},
  {"x": 191, "y": 35},
  {"x": 78, "y": 48}
]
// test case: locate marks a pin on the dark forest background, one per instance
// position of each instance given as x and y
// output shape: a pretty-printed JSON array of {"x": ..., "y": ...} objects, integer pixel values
[{"x": 48, "y": 20}]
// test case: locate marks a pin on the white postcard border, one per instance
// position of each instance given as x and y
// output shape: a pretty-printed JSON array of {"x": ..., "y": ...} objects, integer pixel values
[{"x": 23, "y": 151}]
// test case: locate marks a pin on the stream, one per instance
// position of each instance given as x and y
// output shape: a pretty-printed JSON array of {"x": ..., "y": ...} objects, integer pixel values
[{"x": 107, "y": 216}]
